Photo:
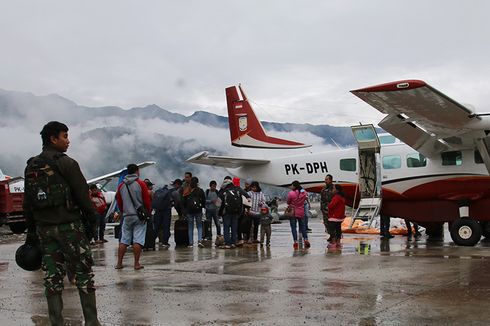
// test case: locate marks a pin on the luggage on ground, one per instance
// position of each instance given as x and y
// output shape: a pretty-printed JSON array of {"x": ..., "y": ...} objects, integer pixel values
[
  {"x": 150, "y": 236},
  {"x": 181, "y": 235}
]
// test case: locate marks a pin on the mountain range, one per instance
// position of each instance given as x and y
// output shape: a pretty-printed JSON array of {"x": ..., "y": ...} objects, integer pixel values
[{"x": 104, "y": 139}]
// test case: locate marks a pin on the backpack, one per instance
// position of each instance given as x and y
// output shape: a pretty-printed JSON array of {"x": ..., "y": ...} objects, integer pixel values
[
  {"x": 193, "y": 201},
  {"x": 162, "y": 199},
  {"x": 45, "y": 187},
  {"x": 233, "y": 201}
]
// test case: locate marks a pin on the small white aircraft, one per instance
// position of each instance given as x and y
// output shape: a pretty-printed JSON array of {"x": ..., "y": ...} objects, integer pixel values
[{"x": 439, "y": 174}]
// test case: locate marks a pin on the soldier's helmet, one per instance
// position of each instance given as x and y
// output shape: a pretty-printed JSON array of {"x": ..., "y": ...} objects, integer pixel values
[{"x": 28, "y": 257}]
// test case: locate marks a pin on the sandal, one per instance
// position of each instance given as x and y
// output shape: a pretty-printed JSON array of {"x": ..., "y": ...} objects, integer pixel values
[
  {"x": 138, "y": 267},
  {"x": 119, "y": 267}
]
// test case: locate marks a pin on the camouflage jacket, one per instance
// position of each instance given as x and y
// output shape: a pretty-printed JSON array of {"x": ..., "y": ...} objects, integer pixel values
[{"x": 325, "y": 198}]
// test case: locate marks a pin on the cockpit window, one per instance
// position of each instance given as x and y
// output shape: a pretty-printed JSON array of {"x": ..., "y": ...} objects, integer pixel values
[
  {"x": 416, "y": 160},
  {"x": 452, "y": 158}
]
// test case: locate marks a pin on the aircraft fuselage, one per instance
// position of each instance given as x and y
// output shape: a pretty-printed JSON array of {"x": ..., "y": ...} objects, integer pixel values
[{"x": 413, "y": 187}]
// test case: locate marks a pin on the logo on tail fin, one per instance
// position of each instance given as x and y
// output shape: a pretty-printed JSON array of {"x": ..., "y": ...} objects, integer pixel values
[
  {"x": 242, "y": 123},
  {"x": 245, "y": 129}
]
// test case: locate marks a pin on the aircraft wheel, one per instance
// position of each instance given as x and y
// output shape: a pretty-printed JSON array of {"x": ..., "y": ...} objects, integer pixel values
[
  {"x": 465, "y": 232},
  {"x": 18, "y": 227}
]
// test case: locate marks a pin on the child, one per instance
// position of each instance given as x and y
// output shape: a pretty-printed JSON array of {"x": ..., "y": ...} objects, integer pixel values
[
  {"x": 336, "y": 214},
  {"x": 265, "y": 225}
]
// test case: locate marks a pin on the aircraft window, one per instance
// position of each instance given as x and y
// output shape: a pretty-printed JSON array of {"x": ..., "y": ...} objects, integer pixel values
[
  {"x": 416, "y": 160},
  {"x": 348, "y": 164},
  {"x": 478, "y": 158},
  {"x": 452, "y": 158},
  {"x": 387, "y": 139},
  {"x": 392, "y": 162}
]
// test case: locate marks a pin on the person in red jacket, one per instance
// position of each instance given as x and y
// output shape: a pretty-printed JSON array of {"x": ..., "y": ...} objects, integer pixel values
[
  {"x": 100, "y": 206},
  {"x": 336, "y": 215},
  {"x": 131, "y": 194}
]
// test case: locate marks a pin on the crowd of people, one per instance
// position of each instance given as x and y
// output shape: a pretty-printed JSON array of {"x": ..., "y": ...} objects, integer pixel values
[{"x": 237, "y": 213}]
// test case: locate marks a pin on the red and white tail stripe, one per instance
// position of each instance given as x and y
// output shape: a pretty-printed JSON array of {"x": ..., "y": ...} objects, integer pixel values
[{"x": 245, "y": 129}]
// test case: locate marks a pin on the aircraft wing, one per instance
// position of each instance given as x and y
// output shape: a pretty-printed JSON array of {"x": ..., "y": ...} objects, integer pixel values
[
  {"x": 421, "y": 116},
  {"x": 224, "y": 161},
  {"x": 108, "y": 177}
]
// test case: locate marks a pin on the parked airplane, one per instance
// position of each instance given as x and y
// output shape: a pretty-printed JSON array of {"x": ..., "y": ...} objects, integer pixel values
[{"x": 440, "y": 174}]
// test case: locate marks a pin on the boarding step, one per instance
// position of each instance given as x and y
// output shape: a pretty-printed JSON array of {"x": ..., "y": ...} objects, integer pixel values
[{"x": 366, "y": 211}]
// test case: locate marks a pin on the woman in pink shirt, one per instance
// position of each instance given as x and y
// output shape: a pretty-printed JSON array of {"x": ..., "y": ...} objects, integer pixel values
[{"x": 296, "y": 201}]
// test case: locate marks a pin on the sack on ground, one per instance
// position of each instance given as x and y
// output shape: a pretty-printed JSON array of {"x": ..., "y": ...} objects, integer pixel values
[{"x": 220, "y": 240}]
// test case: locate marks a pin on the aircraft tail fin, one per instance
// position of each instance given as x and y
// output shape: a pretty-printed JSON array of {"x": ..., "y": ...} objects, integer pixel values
[{"x": 245, "y": 129}]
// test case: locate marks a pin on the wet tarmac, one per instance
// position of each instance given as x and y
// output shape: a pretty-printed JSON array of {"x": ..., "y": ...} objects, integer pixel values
[{"x": 367, "y": 282}]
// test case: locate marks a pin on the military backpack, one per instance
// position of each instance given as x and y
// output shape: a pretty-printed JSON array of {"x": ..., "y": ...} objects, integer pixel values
[{"x": 45, "y": 187}]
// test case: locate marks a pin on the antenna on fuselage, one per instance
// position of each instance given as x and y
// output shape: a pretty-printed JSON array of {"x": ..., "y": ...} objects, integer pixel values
[{"x": 335, "y": 143}]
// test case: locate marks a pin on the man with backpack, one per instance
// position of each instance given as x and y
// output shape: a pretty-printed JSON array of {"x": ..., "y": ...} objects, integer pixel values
[
  {"x": 162, "y": 204},
  {"x": 231, "y": 208},
  {"x": 56, "y": 205},
  {"x": 193, "y": 203}
]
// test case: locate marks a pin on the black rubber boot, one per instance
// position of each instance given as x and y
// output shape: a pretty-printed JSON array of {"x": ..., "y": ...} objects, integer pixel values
[
  {"x": 55, "y": 307},
  {"x": 89, "y": 308}
]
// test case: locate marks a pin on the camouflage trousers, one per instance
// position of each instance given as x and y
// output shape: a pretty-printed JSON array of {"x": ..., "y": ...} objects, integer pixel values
[
  {"x": 325, "y": 222},
  {"x": 65, "y": 246}
]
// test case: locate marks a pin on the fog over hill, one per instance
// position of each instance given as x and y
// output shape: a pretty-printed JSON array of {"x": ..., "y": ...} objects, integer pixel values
[{"x": 105, "y": 139}]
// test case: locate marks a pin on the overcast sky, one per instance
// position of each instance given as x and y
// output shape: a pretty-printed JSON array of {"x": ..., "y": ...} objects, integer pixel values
[{"x": 296, "y": 60}]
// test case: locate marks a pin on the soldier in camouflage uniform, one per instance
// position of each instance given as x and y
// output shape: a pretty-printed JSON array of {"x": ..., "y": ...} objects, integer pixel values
[
  {"x": 59, "y": 212},
  {"x": 325, "y": 197}
]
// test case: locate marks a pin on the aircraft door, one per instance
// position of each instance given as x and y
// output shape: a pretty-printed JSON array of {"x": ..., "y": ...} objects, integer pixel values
[{"x": 369, "y": 173}]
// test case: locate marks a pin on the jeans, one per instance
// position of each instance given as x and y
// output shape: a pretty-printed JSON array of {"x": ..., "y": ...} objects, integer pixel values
[
  {"x": 191, "y": 217},
  {"x": 100, "y": 227},
  {"x": 213, "y": 214},
  {"x": 230, "y": 221},
  {"x": 161, "y": 222},
  {"x": 302, "y": 228}
]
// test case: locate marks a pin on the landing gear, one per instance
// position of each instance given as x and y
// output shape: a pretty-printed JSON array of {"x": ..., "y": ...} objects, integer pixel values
[{"x": 465, "y": 231}]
